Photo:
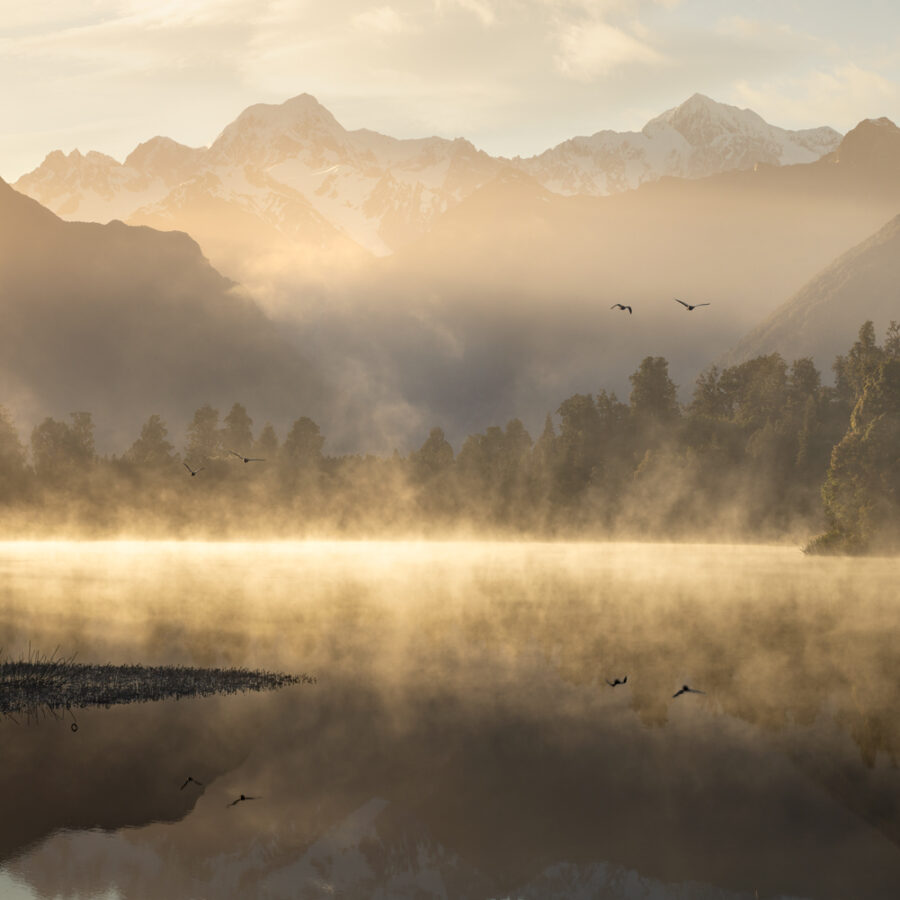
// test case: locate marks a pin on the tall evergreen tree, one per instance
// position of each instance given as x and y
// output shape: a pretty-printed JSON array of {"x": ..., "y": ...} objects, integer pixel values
[
  {"x": 13, "y": 469},
  {"x": 303, "y": 444},
  {"x": 152, "y": 447},
  {"x": 204, "y": 440},
  {"x": 237, "y": 433},
  {"x": 862, "y": 489}
]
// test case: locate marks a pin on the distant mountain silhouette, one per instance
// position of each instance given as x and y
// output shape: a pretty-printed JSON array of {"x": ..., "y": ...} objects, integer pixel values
[
  {"x": 822, "y": 318},
  {"x": 289, "y": 178},
  {"x": 746, "y": 238},
  {"x": 118, "y": 320}
]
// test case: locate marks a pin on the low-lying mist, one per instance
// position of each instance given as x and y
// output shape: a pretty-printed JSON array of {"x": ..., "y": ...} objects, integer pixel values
[
  {"x": 764, "y": 451},
  {"x": 465, "y": 687}
]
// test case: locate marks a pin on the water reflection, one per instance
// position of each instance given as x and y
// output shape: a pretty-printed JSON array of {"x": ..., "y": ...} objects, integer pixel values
[{"x": 462, "y": 740}]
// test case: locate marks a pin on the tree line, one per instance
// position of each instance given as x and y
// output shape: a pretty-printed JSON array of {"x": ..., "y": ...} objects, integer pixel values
[{"x": 763, "y": 450}]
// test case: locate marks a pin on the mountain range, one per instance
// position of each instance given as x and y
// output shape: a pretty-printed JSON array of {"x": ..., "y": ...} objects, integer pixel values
[
  {"x": 291, "y": 174},
  {"x": 490, "y": 297}
]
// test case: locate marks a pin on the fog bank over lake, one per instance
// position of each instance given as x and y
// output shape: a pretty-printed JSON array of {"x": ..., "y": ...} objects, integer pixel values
[{"x": 462, "y": 739}]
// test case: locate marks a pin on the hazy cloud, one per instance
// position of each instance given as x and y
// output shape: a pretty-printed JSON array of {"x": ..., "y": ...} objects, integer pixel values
[
  {"x": 843, "y": 93},
  {"x": 382, "y": 19},
  {"x": 596, "y": 48},
  {"x": 481, "y": 9}
]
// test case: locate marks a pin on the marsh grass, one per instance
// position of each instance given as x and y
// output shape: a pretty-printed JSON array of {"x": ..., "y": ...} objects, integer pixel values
[{"x": 41, "y": 683}]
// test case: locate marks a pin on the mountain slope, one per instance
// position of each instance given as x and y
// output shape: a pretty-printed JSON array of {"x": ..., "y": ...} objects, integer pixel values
[
  {"x": 519, "y": 281},
  {"x": 126, "y": 321},
  {"x": 822, "y": 318}
]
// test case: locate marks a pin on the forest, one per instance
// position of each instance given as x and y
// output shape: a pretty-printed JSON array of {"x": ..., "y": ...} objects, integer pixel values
[{"x": 762, "y": 451}]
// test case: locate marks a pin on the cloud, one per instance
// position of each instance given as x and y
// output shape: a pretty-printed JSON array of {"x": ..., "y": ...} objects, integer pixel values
[
  {"x": 383, "y": 20},
  {"x": 514, "y": 76},
  {"x": 481, "y": 9},
  {"x": 841, "y": 96},
  {"x": 596, "y": 48}
]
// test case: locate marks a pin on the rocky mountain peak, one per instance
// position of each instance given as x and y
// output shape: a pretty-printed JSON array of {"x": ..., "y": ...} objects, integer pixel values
[
  {"x": 701, "y": 121},
  {"x": 163, "y": 157},
  {"x": 265, "y": 133},
  {"x": 874, "y": 142}
]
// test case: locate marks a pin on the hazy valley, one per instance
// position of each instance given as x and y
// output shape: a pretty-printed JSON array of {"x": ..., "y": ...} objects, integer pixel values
[{"x": 401, "y": 284}]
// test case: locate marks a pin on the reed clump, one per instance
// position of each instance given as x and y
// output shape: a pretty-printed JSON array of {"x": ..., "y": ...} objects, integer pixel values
[{"x": 54, "y": 683}]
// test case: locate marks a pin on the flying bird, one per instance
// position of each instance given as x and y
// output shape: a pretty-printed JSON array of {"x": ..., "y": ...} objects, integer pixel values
[
  {"x": 617, "y": 681},
  {"x": 246, "y": 459},
  {"x": 688, "y": 305},
  {"x": 193, "y": 471},
  {"x": 190, "y": 780},
  {"x": 239, "y": 799},
  {"x": 621, "y": 306},
  {"x": 686, "y": 690}
]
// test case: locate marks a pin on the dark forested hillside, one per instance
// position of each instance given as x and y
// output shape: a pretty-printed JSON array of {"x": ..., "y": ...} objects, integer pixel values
[{"x": 123, "y": 319}]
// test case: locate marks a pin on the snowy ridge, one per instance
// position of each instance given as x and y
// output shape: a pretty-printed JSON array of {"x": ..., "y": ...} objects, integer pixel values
[
  {"x": 698, "y": 138},
  {"x": 295, "y": 170}
]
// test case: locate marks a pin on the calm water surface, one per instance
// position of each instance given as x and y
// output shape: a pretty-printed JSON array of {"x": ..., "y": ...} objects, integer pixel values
[{"x": 462, "y": 740}]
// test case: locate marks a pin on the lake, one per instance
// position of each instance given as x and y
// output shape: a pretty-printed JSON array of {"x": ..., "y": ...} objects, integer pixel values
[{"x": 462, "y": 740}]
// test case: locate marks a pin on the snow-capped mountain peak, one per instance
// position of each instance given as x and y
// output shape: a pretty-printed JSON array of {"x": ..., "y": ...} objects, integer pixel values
[
  {"x": 698, "y": 138},
  {"x": 164, "y": 158},
  {"x": 292, "y": 169},
  {"x": 700, "y": 120},
  {"x": 265, "y": 134}
]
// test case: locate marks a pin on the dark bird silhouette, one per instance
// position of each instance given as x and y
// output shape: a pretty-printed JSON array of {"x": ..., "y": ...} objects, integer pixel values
[
  {"x": 617, "y": 681},
  {"x": 193, "y": 471},
  {"x": 239, "y": 799},
  {"x": 621, "y": 306},
  {"x": 688, "y": 306},
  {"x": 190, "y": 780},
  {"x": 246, "y": 459},
  {"x": 684, "y": 689}
]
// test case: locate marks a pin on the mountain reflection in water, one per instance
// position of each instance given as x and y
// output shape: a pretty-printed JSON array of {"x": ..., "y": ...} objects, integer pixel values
[{"x": 462, "y": 740}]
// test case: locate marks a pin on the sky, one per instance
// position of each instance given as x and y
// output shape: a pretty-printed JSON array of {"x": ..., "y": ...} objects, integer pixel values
[{"x": 513, "y": 76}]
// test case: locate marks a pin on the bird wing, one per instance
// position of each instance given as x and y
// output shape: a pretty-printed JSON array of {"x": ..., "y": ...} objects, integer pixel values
[
  {"x": 255, "y": 459},
  {"x": 187, "y": 467},
  {"x": 681, "y": 302},
  {"x": 628, "y": 308},
  {"x": 235, "y": 453},
  {"x": 678, "y": 693},
  {"x": 616, "y": 306},
  {"x": 610, "y": 683},
  {"x": 186, "y": 783},
  {"x": 701, "y": 304}
]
